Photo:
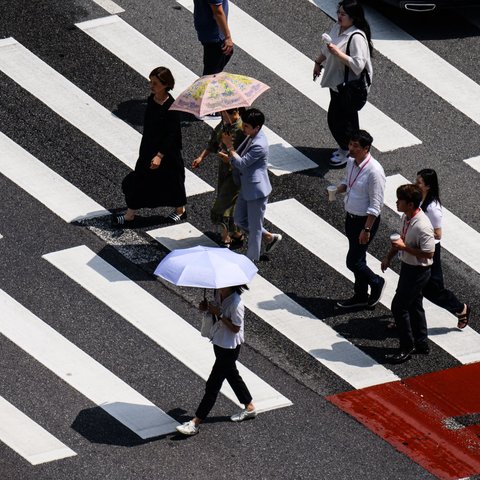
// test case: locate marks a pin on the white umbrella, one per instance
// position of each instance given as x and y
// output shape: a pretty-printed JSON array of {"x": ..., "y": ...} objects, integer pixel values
[{"x": 206, "y": 267}]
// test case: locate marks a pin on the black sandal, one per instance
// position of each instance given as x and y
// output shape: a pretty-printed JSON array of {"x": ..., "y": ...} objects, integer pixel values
[
  {"x": 237, "y": 240},
  {"x": 226, "y": 243},
  {"x": 121, "y": 221},
  {"x": 463, "y": 318},
  {"x": 175, "y": 217}
]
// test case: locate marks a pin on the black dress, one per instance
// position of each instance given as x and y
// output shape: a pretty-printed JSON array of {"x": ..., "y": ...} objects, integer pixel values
[{"x": 164, "y": 186}]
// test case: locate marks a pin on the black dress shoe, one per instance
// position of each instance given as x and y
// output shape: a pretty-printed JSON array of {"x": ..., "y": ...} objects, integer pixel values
[
  {"x": 422, "y": 349},
  {"x": 400, "y": 357}
]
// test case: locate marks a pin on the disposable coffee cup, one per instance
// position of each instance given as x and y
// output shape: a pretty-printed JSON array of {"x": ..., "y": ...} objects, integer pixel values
[
  {"x": 332, "y": 190},
  {"x": 394, "y": 237}
]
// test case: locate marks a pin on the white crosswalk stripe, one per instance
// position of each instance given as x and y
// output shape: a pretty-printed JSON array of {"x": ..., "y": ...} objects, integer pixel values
[
  {"x": 78, "y": 108},
  {"x": 109, "y": 6},
  {"x": 155, "y": 320},
  {"x": 60, "y": 196},
  {"x": 291, "y": 319},
  {"x": 81, "y": 371},
  {"x": 295, "y": 68},
  {"x": 458, "y": 238},
  {"x": 143, "y": 55},
  {"x": 419, "y": 61},
  {"x": 28, "y": 438},
  {"x": 331, "y": 247},
  {"x": 474, "y": 162}
]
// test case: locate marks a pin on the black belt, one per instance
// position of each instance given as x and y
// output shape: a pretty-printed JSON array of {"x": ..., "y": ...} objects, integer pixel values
[{"x": 351, "y": 215}]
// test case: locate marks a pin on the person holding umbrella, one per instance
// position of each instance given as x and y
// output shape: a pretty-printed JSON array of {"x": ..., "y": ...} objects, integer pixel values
[
  {"x": 227, "y": 337},
  {"x": 222, "y": 210}
]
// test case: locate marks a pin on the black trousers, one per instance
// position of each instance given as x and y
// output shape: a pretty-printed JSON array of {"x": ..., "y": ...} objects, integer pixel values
[
  {"x": 224, "y": 368},
  {"x": 357, "y": 254},
  {"x": 435, "y": 290},
  {"x": 407, "y": 306},
  {"x": 214, "y": 60},
  {"x": 342, "y": 119}
]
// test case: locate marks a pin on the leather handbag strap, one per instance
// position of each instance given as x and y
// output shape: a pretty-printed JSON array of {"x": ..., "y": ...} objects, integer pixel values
[{"x": 364, "y": 72}]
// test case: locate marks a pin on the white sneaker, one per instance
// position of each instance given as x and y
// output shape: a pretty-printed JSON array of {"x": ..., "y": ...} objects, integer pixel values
[
  {"x": 188, "y": 428},
  {"x": 242, "y": 415},
  {"x": 276, "y": 237}
]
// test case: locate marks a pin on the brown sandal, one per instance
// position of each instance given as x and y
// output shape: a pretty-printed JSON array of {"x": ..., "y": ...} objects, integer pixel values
[{"x": 463, "y": 318}]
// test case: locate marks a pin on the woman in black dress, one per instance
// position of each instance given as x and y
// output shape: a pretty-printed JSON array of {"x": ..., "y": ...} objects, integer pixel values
[{"x": 159, "y": 176}]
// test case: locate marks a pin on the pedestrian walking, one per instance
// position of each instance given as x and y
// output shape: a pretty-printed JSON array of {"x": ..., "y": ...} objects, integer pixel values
[
  {"x": 346, "y": 60},
  {"x": 159, "y": 176},
  {"x": 364, "y": 185},
  {"x": 210, "y": 18},
  {"x": 227, "y": 337},
  {"x": 250, "y": 162},
  {"x": 223, "y": 208},
  {"x": 416, "y": 248},
  {"x": 435, "y": 291}
]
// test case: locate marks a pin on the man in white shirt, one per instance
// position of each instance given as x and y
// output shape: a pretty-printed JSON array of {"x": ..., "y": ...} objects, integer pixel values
[
  {"x": 415, "y": 248},
  {"x": 364, "y": 185}
]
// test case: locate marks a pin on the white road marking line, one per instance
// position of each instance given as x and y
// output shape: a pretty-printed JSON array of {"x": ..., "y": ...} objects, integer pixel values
[
  {"x": 419, "y": 61},
  {"x": 28, "y": 438},
  {"x": 109, "y": 6},
  {"x": 296, "y": 68},
  {"x": 458, "y": 237},
  {"x": 331, "y": 246},
  {"x": 81, "y": 371},
  {"x": 474, "y": 162},
  {"x": 155, "y": 320},
  {"x": 46, "y": 186},
  {"x": 292, "y": 320},
  {"x": 143, "y": 55},
  {"x": 78, "y": 108}
]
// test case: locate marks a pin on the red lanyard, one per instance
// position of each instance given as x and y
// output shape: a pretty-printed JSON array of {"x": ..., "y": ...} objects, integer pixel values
[
  {"x": 406, "y": 224},
  {"x": 350, "y": 183}
]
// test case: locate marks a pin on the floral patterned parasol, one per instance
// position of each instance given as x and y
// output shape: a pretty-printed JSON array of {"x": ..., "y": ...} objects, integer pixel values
[{"x": 222, "y": 91}]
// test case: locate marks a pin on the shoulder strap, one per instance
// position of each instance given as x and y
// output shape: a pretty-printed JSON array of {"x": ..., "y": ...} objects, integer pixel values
[{"x": 367, "y": 76}]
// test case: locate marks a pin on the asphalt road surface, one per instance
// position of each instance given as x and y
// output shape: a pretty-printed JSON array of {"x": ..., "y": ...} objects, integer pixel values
[{"x": 86, "y": 358}]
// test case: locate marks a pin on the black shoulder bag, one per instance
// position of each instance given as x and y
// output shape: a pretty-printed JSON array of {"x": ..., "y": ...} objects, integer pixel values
[{"x": 354, "y": 92}]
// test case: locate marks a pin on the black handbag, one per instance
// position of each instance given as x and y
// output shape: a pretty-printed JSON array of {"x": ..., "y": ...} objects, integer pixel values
[{"x": 354, "y": 92}]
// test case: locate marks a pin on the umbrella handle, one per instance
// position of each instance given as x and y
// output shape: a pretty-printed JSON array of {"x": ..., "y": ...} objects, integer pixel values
[{"x": 205, "y": 294}]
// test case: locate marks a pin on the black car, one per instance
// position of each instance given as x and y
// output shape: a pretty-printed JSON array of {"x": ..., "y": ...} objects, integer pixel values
[{"x": 429, "y": 5}]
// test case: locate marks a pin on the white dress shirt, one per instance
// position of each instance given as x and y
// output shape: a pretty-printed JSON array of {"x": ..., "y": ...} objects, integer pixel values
[{"x": 365, "y": 187}]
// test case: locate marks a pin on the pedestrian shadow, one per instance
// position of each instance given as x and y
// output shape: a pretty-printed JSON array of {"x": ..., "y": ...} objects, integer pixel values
[
  {"x": 98, "y": 426},
  {"x": 132, "y": 111},
  {"x": 441, "y": 330},
  {"x": 316, "y": 308},
  {"x": 341, "y": 352}
]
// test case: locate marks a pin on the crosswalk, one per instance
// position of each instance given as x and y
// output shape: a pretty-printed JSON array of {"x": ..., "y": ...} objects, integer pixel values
[
  {"x": 143, "y": 55},
  {"x": 301, "y": 225},
  {"x": 294, "y": 67}
]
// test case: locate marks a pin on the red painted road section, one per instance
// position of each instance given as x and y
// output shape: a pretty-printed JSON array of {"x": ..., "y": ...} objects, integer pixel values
[{"x": 434, "y": 418}]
